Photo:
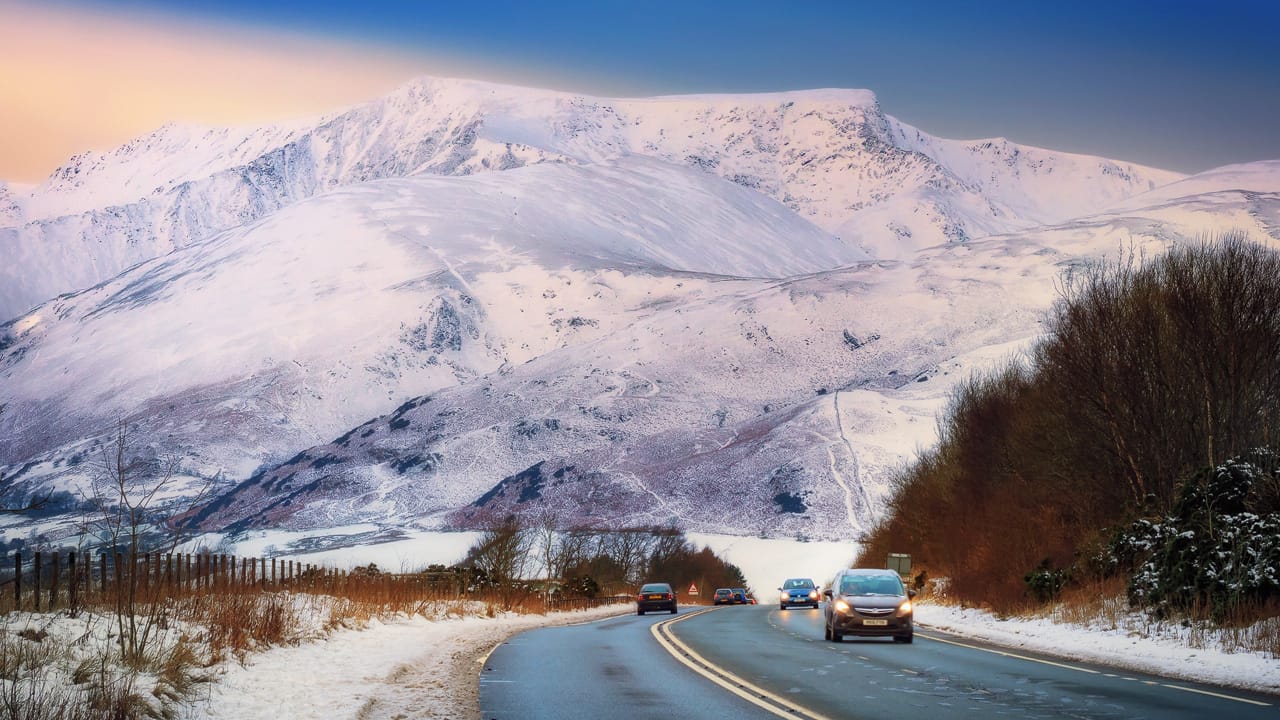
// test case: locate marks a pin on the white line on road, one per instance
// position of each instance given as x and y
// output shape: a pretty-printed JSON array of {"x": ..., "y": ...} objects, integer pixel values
[
  {"x": 1091, "y": 672},
  {"x": 751, "y": 693}
]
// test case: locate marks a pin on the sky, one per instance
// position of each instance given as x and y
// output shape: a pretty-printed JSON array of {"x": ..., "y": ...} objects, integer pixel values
[{"x": 1178, "y": 85}]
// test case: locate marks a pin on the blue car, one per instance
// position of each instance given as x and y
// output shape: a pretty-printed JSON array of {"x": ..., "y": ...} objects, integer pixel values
[{"x": 798, "y": 591}]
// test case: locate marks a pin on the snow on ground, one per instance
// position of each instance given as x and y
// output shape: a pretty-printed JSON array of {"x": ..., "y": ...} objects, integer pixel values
[
  {"x": 1133, "y": 644},
  {"x": 403, "y": 669},
  {"x": 419, "y": 668}
]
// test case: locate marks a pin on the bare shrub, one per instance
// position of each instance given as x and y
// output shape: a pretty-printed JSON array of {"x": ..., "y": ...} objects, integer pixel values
[{"x": 1149, "y": 370}]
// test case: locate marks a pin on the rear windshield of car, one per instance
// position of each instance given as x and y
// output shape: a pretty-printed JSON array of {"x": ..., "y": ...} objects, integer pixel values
[
  {"x": 656, "y": 587},
  {"x": 871, "y": 585},
  {"x": 803, "y": 584}
]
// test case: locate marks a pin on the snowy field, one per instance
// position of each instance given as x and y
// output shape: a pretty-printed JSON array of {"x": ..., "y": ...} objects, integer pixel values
[{"x": 765, "y": 563}]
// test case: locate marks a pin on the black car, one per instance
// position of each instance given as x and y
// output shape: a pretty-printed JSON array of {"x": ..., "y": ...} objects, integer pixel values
[
  {"x": 798, "y": 591},
  {"x": 723, "y": 596},
  {"x": 656, "y": 596},
  {"x": 868, "y": 603}
]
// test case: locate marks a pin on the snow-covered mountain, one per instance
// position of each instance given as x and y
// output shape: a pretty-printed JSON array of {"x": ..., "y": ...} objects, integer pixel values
[
  {"x": 467, "y": 299},
  {"x": 832, "y": 156}
]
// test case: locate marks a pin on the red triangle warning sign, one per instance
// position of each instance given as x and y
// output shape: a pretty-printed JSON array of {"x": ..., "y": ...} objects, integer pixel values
[{"x": 693, "y": 589}]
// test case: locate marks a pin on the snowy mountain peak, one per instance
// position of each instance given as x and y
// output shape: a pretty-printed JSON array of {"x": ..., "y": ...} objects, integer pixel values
[{"x": 466, "y": 298}]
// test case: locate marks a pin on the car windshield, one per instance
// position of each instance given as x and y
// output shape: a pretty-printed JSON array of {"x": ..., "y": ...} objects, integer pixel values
[
  {"x": 798, "y": 584},
  {"x": 871, "y": 585},
  {"x": 654, "y": 588}
]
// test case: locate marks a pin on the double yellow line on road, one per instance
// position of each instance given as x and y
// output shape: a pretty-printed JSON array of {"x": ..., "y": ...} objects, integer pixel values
[{"x": 747, "y": 691}]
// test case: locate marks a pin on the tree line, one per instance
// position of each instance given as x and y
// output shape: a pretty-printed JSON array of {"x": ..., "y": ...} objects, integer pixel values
[
  {"x": 520, "y": 555},
  {"x": 1153, "y": 376}
]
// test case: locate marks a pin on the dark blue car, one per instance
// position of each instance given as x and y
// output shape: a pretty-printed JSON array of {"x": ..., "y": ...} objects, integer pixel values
[{"x": 798, "y": 591}]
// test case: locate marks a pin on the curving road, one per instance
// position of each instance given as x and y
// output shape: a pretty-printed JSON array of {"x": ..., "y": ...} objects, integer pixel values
[{"x": 746, "y": 660}]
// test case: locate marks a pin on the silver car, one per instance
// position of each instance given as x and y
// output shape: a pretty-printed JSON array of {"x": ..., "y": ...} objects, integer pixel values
[{"x": 868, "y": 603}]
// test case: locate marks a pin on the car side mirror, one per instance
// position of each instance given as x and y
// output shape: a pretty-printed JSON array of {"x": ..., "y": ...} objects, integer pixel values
[
  {"x": 827, "y": 592},
  {"x": 911, "y": 593}
]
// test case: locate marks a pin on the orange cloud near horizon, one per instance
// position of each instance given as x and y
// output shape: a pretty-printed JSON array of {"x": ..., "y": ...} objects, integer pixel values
[{"x": 72, "y": 81}]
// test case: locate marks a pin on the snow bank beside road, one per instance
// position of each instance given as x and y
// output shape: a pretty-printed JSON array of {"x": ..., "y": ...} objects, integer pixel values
[
  {"x": 1133, "y": 644},
  {"x": 408, "y": 668}
]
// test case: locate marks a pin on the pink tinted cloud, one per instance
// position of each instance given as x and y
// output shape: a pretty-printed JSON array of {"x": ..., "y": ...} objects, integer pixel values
[{"x": 74, "y": 80}]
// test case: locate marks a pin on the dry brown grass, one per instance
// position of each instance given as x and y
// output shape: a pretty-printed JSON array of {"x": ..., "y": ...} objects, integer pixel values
[
  {"x": 201, "y": 625},
  {"x": 1092, "y": 603}
]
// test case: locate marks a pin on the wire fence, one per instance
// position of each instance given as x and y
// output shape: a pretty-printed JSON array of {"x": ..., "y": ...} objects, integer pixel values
[{"x": 48, "y": 581}]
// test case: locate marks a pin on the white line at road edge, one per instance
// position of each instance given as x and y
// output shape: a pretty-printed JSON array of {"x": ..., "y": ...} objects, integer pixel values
[
  {"x": 725, "y": 679},
  {"x": 1087, "y": 670}
]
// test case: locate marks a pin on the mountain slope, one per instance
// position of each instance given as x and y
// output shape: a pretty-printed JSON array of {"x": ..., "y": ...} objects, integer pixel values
[
  {"x": 332, "y": 310},
  {"x": 832, "y": 156}
]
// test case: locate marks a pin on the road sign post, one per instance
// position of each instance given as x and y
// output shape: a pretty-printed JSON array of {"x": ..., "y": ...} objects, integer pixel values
[{"x": 900, "y": 562}]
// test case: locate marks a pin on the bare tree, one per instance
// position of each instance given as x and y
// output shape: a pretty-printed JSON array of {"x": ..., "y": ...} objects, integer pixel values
[
  {"x": 123, "y": 490},
  {"x": 502, "y": 554}
]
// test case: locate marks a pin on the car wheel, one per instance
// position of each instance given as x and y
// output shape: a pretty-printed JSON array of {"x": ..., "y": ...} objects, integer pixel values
[
  {"x": 826, "y": 631},
  {"x": 639, "y": 612},
  {"x": 836, "y": 636},
  {"x": 815, "y": 606},
  {"x": 904, "y": 638},
  {"x": 782, "y": 606},
  {"x": 673, "y": 609}
]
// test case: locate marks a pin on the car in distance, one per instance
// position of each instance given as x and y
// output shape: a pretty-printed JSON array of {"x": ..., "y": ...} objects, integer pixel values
[
  {"x": 798, "y": 591},
  {"x": 655, "y": 596},
  {"x": 740, "y": 596},
  {"x": 868, "y": 603},
  {"x": 723, "y": 596}
]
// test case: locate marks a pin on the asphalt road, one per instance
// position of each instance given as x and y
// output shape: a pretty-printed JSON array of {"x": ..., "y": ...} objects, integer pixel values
[
  {"x": 621, "y": 666},
  {"x": 609, "y": 668}
]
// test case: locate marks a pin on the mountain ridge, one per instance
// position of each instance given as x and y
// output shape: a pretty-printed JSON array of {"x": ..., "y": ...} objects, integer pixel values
[{"x": 828, "y": 155}]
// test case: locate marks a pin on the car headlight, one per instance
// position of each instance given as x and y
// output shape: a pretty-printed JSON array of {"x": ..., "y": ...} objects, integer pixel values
[
  {"x": 841, "y": 606},
  {"x": 813, "y": 594},
  {"x": 784, "y": 596},
  {"x": 905, "y": 608}
]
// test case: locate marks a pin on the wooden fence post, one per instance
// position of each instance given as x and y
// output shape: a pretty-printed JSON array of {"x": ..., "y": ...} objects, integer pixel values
[
  {"x": 17, "y": 581},
  {"x": 102, "y": 577},
  {"x": 53, "y": 584},
  {"x": 37, "y": 569},
  {"x": 73, "y": 596}
]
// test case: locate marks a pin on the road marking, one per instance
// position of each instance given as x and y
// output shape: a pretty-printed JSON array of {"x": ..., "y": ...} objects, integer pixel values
[
  {"x": 1092, "y": 672},
  {"x": 1009, "y": 654},
  {"x": 753, "y": 694},
  {"x": 485, "y": 658},
  {"x": 913, "y": 672},
  {"x": 1217, "y": 695}
]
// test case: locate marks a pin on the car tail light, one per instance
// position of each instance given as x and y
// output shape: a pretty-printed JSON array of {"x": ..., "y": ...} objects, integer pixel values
[{"x": 671, "y": 596}]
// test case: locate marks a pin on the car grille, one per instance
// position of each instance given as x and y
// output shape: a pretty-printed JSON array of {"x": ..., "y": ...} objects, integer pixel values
[{"x": 874, "y": 612}]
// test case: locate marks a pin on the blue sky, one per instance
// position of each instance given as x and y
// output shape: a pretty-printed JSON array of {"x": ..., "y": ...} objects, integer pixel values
[{"x": 1179, "y": 85}]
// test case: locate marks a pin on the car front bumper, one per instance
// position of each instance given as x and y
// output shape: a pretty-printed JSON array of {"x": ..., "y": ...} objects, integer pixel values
[{"x": 854, "y": 624}]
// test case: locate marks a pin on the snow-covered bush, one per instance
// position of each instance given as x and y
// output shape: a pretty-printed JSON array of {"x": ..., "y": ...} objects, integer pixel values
[{"x": 1212, "y": 552}]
